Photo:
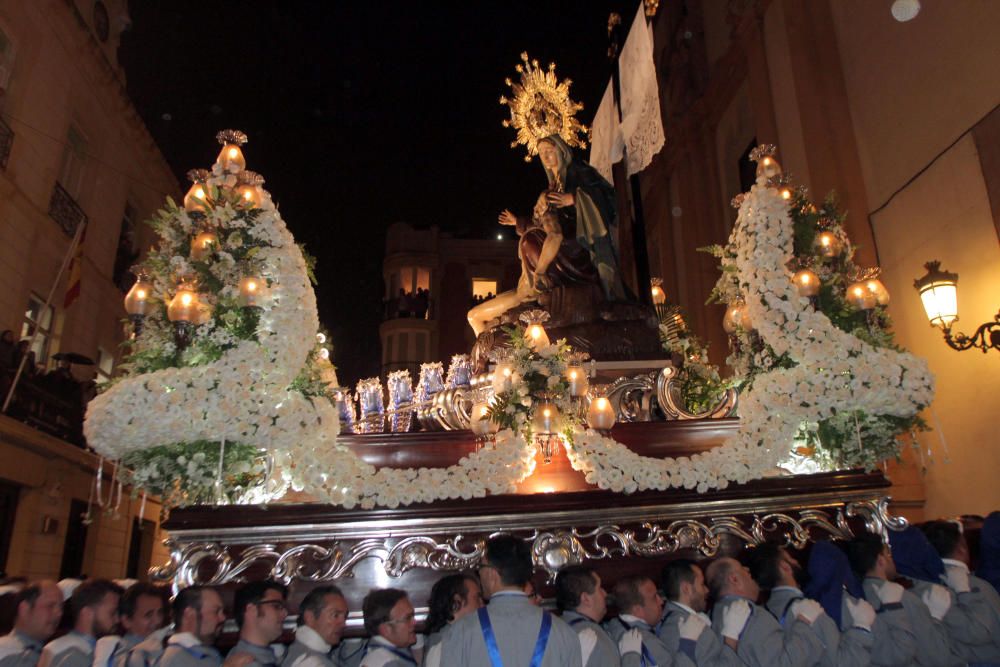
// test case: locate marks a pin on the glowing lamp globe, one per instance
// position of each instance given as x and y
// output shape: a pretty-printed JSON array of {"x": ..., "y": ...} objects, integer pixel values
[
  {"x": 545, "y": 419},
  {"x": 196, "y": 198},
  {"x": 601, "y": 414},
  {"x": 137, "y": 299},
  {"x": 503, "y": 376},
  {"x": 768, "y": 167},
  {"x": 736, "y": 319},
  {"x": 251, "y": 290},
  {"x": 203, "y": 245},
  {"x": 536, "y": 337},
  {"x": 249, "y": 195},
  {"x": 859, "y": 296},
  {"x": 184, "y": 306},
  {"x": 231, "y": 158},
  {"x": 939, "y": 294},
  {"x": 656, "y": 291},
  {"x": 576, "y": 377},
  {"x": 878, "y": 290},
  {"x": 806, "y": 282},
  {"x": 827, "y": 244},
  {"x": 479, "y": 420}
]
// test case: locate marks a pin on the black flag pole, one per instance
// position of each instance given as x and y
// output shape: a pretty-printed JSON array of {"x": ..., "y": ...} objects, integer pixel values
[{"x": 633, "y": 188}]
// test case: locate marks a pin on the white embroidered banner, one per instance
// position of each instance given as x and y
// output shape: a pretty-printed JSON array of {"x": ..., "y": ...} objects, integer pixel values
[
  {"x": 642, "y": 125},
  {"x": 606, "y": 141}
]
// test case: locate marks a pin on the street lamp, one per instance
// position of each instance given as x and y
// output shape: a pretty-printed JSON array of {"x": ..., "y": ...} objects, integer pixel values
[{"x": 939, "y": 294}]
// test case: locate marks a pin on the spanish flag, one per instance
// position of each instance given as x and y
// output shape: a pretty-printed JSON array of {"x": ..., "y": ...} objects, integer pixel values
[{"x": 75, "y": 266}]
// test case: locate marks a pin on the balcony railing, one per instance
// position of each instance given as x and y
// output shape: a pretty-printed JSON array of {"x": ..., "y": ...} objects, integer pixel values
[
  {"x": 6, "y": 142},
  {"x": 44, "y": 408},
  {"x": 65, "y": 211}
]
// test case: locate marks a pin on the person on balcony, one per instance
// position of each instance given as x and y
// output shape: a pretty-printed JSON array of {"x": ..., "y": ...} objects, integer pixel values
[
  {"x": 198, "y": 617},
  {"x": 38, "y": 609},
  {"x": 762, "y": 641},
  {"x": 510, "y": 629},
  {"x": 322, "y": 617},
  {"x": 775, "y": 570},
  {"x": 684, "y": 627},
  {"x": 7, "y": 348},
  {"x": 583, "y": 603},
  {"x": 94, "y": 605}
]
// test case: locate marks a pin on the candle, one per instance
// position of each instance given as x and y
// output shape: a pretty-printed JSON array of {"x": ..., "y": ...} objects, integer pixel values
[
  {"x": 536, "y": 336},
  {"x": 545, "y": 419},
  {"x": 601, "y": 415},
  {"x": 828, "y": 244},
  {"x": 231, "y": 156},
  {"x": 502, "y": 377},
  {"x": 184, "y": 306},
  {"x": 578, "y": 382},
  {"x": 859, "y": 296},
  {"x": 250, "y": 290},
  {"x": 194, "y": 200}
]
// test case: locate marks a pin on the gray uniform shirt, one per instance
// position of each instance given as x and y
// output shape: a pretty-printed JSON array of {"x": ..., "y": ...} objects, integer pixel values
[
  {"x": 308, "y": 650},
  {"x": 147, "y": 652},
  {"x": 605, "y": 653},
  {"x": 709, "y": 649},
  {"x": 764, "y": 643},
  {"x": 263, "y": 656},
  {"x": 186, "y": 650},
  {"x": 70, "y": 650},
  {"x": 381, "y": 653},
  {"x": 848, "y": 647},
  {"x": 19, "y": 650},
  {"x": 895, "y": 644},
  {"x": 967, "y": 621},
  {"x": 516, "y": 622},
  {"x": 933, "y": 645},
  {"x": 985, "y": 590},
  {"x": 652, "y": 644}
]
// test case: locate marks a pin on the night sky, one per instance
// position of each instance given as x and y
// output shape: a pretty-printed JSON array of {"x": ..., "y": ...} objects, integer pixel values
[{"x": 360, "y": 115}]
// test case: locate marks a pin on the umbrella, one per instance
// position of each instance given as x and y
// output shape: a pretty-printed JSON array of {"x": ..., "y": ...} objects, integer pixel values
[{"x": 73, "y": 358}]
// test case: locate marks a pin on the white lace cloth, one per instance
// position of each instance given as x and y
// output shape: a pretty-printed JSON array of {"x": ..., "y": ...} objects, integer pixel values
[
  {"x": 642, "y": 125},
  {"x": 606, "y": 141}
]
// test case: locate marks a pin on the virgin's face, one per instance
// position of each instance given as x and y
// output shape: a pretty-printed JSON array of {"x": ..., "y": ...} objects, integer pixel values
[{"x": 549, "y": 155}]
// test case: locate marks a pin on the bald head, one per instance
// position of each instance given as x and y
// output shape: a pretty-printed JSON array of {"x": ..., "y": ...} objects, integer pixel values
[
  {"x": 39, "y": 610},
  {"x": 726, "y": 576}
]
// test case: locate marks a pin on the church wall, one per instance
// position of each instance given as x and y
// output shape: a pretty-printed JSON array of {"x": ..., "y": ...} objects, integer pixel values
[{"x": 913, "y": 117}]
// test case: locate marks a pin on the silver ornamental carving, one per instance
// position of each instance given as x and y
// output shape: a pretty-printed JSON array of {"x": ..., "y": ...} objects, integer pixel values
[
  {"x": 552, "y": 548},
  {"x": 459, "y": 372},
  {"x": 429, "y": 384},
  {"x": 345, "y": 409}
]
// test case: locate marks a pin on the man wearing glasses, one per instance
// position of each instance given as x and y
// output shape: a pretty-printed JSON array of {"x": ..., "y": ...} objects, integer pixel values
[
  {"x": 390, "y": 620},
  {"x": 510, "y": 631},
  {"x": 260, "y": 612}
]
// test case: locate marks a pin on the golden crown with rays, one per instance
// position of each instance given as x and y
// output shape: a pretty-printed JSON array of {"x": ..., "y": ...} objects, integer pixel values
[{"x": 541, "y": 107}]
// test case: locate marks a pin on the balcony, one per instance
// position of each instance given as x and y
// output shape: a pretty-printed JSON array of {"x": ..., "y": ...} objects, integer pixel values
[
  {"x": 6, "y": 143},
  {"x": 44, "y": 407},
  {"x": 65, "y": 211}
]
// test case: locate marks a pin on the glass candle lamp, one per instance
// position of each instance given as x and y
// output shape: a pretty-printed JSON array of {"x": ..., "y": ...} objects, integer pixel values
[
  {"x": 601, "y": 414},
  {"x": 203, "y": 244},
  {"x": 806, "y": 282},
  {"x": 578, "y": 382}
]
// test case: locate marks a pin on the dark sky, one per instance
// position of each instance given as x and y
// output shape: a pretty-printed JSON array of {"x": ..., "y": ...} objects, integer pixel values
[{"x": 360, "y": 115}]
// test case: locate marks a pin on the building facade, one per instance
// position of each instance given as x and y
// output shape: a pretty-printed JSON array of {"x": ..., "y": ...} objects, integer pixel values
[
  {"x": 431, "y": 282},
  {"x": 901, "y": 120},
  {"x": 73, "y": 153}
]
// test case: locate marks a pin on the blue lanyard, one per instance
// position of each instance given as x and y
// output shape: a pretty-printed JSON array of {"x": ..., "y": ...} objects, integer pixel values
[
  {"x": 391, "y": 649},
  {"x": 647, "y": 658},
  {"x": 494, "y": 650},
  {"x": 575, "y": 621},
  {"x": 784, "y": 614}
]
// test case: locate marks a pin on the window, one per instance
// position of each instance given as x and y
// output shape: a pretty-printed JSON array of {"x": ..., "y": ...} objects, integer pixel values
[
  {"x": 127, "y": 252},
  {"x": 40, "y": 317},
  {"x": 105, "y": 365},
  {"x": 74, "y": 158},
  {"x": 483, "y": 288}
]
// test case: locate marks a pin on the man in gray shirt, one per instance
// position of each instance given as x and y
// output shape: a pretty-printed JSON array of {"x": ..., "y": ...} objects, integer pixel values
[
  {"x": 94, "y": 606},
  {"x": 583, "y": 603},
  {"x": 778, "y": 572},
  {"x": 391, "y": 622},
  {"x": 322, "y": 617},
  {"x": 141, "y": 612},
  {"x": 762, "y": 640},
  {"x": 684, "y": 628},
  {"x": 639, "y": 609},
  {"x": 260, "y": 610},
  {"x": 39, "y": 608},
  {"x": 198, "y": 618},
  {"x": 871, "y": 558},
  {"x": 949, "y": 542},
  {"x": 510, "y": 628}
]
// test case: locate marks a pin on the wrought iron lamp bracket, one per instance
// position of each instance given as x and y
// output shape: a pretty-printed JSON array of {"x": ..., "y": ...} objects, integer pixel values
[{"x": 987, "y": 336}]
